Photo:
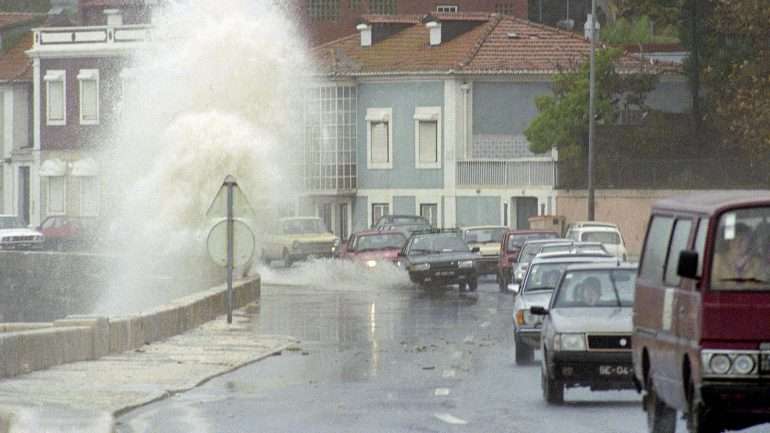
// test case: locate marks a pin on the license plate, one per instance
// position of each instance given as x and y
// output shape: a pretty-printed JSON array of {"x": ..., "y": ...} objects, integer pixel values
[
  {"x": 445, "y": 274},
  {"x": 615, "y": 370}
]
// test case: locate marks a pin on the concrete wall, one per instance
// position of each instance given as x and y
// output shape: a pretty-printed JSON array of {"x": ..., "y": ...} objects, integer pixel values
[
  {"x": 32, "y": 347},
  {"x": 360, "y": 213},
  {"x": 402, "y": 98},
  {"x": 505, "y": 107},
  {"x": 404, "y": 205},
  {"x": 474, "y": 211},
  {"x": 630, "y": 209}
]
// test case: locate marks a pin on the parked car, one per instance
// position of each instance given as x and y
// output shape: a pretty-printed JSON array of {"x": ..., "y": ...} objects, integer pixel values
[
  {"x": 535, "y": 290},
  {"x": 396, "y": 220},
  {"x": 15, "y": 236},
  {"x": 64, "y": 232},
  {"x": 487, "y": 239},
  {"x": 701, "y": 341},
  {"x": 510, "y": 247},
  {"x": 440, "y": 258},
  {"x": 606, "y": 233},
  {"x": 372, "y": 248},
  {"x": 298, "y": 238},
  {"x": 405, "y": 229},
  {"x": 586, "y": 333},
  {"x": 574, "y": 247},
  {"x": 529, "y": 250}
]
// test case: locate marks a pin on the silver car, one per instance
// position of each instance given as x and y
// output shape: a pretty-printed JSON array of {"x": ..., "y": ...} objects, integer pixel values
[
  {"x": 586, "y": 332},
  {"x": 541, "y": 279}
]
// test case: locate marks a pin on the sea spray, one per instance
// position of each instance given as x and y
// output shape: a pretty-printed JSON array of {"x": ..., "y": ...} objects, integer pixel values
[{"x": 216, "y": 92}]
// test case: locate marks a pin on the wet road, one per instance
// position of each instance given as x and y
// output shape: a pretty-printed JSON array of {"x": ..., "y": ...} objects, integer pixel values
[{"x": 386, "y": 359}]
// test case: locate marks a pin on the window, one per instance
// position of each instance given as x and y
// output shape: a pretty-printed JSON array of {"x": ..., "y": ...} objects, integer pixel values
[
  {"x": 429, "y": 211},
  {"x": 427, "y": 126},
  {"x": 506, "y": 8},
  {"x": 323, "y": 10},
  {"x": 700, "y": 243},
  {"x": 447, "y": 8},
  {"x": 379, "y": 133},
  {"x": 387, "y": 7},
  {"x": 678, "y": 243},
  {"x": 89, "y": 196},
  {"x": 379, "y": 210},
  {"x": 89, "y": 96},
  {"x": 57, "y": 195},
  {"x": 56, "y": 97},
  {"x": 655, "y": 247}
]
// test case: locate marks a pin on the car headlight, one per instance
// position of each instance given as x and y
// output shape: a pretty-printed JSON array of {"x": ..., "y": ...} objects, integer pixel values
[
  {"x": 371, "y": 263},
  {"x": 569, "y": 342},
  {"x": 465, "y": 264},
  {"x": 724, "y": 363},
  {"x": 743, "y": 364},
  {"x": 720, "y": 364},
  {"x": 420, "y": 267}
]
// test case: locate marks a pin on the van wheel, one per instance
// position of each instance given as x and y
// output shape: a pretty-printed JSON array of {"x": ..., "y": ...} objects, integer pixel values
[
  {"x": 524, "y": 353},
  {"x": 698, "y": 419},
  {"x": 660, "y": 417},
  {"x": 553, "y": 390}
]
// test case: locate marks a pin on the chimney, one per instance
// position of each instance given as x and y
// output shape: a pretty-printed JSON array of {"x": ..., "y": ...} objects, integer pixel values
[
  {"x": 114, "y": 17},
  {"x": 435, "y": 32},
  {"x": 366, "y": 34},
  {"x": 587, "y": 29}
]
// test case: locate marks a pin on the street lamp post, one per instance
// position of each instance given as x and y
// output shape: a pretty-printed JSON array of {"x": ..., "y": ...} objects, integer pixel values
[{"x": 591, "y": 114}]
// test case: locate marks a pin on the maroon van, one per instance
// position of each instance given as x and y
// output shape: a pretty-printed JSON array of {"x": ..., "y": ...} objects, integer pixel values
[
  {"x": 701, "y": 342},
  {"x": 510, "y": 246}
]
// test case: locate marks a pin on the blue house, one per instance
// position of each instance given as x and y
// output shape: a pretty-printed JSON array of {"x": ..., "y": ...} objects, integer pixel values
[{"x": 425, "y": 115}]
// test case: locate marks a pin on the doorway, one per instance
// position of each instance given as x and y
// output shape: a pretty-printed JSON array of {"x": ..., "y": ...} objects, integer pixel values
[
  {"x": 24, "y": 195},
  {"x": 525, "y": 207}
]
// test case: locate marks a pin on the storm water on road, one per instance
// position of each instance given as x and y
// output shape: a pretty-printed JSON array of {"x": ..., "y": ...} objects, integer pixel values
[{"x": 338, "y": 275}]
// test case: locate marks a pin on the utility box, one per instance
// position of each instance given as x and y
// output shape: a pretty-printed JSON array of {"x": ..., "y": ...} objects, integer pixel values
[{"x": 548, "y": 222}]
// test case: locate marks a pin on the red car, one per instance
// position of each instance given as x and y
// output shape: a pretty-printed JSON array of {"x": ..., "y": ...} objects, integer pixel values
[
  {"x": 373, "y": 247},
  {"x": 509, "y": 251},
  {"x": 68, "y": 233}
]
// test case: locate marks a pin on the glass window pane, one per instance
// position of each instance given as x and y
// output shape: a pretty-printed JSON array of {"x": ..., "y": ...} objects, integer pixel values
[
  {"x": 678, "y": 243},
  {"x": 655, "y": 249},
  {"x": 88, "y": 100}
]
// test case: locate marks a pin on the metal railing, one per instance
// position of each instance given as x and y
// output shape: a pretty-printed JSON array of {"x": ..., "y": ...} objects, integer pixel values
[{"x": 507, "y": 173}]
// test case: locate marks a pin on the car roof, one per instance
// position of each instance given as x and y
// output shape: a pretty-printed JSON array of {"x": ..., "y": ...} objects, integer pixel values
[
  {"x": 712, "y": 202},
  {"x": 566, "y": 258},
  {"x": 378, "y": 232},
  {"x": 557, "y": 241},
  {"x": 577, "y": 244},
  {"x": 606, "y": 229},
  {"x": 484, "y": 227},
  {"x": 603, "y": 266},
  {"x": 579, "y": 224}
]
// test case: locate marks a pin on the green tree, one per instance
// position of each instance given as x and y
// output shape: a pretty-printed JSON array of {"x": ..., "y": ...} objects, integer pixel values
[{"x": 563, "y": 117}]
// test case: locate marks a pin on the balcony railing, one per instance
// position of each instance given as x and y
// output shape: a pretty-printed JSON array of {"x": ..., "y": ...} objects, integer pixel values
[
  {"x": 90, "y": 35},
  {"x": 507, "y": 173}
]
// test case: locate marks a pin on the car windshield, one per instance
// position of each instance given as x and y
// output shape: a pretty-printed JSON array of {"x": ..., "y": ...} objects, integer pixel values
[
  {"x": 304, "y": 226},
  {"x": 485, "y": 236},
  {"x": 439, "y": 243},
  {"x": 604, "y": 237},
  {"x": 530, "y": 251},
  {"x": 544, "y": 276},
  {"x": 378, "y": 242},
  {"x": 10, "y": 222},
  {"x": 596, "y": 288},
  {"x": 742, "y": 251},
  {"x": 516, "y": 240}
]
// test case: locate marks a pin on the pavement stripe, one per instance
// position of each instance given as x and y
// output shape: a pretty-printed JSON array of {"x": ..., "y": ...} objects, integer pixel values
[
  {"x": 485, "y": 324},
  {"x": 441, "y": 392},
  {"x": 448, "y": 373},
  {"x": 450, "y": 419},
  {"x": 492, "y": 311}
]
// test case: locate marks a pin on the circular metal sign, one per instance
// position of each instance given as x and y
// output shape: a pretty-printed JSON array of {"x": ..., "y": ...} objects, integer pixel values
[{"x": 243, "y": 240}]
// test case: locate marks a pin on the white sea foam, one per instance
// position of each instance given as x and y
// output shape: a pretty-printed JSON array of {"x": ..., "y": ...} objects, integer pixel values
[
  {"x": 343, "y": 275},
  {"x": 217, "y": 92}
]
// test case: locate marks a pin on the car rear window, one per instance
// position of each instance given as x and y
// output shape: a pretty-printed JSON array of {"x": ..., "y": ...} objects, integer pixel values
[{"x": 604, "y": 237}]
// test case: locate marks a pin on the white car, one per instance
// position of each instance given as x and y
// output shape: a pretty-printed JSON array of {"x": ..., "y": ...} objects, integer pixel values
[
  {"x": 15, "y": 236},
  {"x": 605, "y": 233}
]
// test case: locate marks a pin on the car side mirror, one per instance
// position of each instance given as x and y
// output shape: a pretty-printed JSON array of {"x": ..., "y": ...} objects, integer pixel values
[
  {"x": 475, "y": 249},
  {"x": 688, "y": 265},
  {"x": 538, "y": 311},
  {"x": 515, "y": 288}
]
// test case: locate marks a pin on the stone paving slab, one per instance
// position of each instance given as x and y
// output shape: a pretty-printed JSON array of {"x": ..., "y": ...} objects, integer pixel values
[{"x": 84, "y": 397}]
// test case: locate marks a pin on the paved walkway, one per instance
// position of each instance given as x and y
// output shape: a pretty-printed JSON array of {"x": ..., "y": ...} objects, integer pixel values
[{"x": 83, "y": 397}]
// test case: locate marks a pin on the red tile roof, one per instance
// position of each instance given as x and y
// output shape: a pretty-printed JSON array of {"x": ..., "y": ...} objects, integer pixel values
[
  {"x": 497, "y": 45},
  {"x": 12, "y": 19},
  {"x": 15, "y": 65}
]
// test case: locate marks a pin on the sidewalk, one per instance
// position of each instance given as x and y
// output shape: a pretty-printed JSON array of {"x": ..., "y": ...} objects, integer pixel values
[{"x": 84, "y": 397}]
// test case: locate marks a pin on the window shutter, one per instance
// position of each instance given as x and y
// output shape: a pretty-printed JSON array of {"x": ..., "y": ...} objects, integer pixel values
[
  {"x": 380, "y": 151},
  {"x": 56, "y": 100},
  {"x": 88, "y": 100},
  {"x": 428, "y": 141},
  {"x": 56, "y": 186}
]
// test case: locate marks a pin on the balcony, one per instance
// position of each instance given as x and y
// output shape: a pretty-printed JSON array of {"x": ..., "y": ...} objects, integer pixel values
[
  {"x": 528, "y": 172},
  {"x": 90, "y": 37}
]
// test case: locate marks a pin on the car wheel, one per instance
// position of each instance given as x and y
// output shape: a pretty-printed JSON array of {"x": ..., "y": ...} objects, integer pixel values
[
  {"x": 553, "y": 390},
  {"x": 524, "y": 353},
  {"x": 660, "y": 417},
  {"x": 472, "y": 285},
  {"x": 698, "y": 419}
]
